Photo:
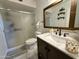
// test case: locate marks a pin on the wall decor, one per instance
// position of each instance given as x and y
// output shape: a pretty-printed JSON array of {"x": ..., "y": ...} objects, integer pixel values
[
  {"x": 61, "y": 18},
  {"x": 62, "y": 9},
  {"x": 61, "y": 13}
]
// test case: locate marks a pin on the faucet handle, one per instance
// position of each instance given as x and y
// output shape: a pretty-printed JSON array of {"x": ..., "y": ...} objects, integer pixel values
[{"x": 65, "y": 34}]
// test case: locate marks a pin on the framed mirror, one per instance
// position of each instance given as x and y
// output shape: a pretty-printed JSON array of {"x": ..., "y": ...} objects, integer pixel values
[{"x": 62, "y": 14}]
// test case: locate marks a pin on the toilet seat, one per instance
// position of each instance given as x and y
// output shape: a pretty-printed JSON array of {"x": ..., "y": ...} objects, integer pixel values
[{"x": 30, "y": 43}]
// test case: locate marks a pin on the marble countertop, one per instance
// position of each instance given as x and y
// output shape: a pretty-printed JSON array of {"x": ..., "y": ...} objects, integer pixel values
[{"x": 48, "y": 38}]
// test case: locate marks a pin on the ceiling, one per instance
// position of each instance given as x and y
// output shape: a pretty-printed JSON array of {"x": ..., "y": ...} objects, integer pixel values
[{"x": 16, "y": 6}]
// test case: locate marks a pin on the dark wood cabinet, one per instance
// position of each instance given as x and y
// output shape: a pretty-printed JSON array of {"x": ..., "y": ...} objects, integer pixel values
[
  {"x": 42, "y": 53},
  {"x": 46, "y": 51}
]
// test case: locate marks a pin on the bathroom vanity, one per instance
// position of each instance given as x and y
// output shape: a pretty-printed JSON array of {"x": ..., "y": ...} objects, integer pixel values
[
  {"x": 48, "y": 48},
  {"x": 62, "y": 14}
]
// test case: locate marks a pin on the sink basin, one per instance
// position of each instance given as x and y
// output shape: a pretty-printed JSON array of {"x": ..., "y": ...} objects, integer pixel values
[{"x": 59, "y": 39}]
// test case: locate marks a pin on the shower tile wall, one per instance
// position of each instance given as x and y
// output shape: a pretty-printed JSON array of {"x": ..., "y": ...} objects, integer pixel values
[{"x": 24, "y": 26}]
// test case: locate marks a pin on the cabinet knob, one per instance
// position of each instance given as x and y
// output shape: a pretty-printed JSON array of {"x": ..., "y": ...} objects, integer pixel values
[
  {"x": 41, "y": 56},
  {"x": 47, "y": 49}
]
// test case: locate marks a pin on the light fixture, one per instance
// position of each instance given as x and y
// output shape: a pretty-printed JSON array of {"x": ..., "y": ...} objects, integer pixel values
[{"x": 20, "y": 0}]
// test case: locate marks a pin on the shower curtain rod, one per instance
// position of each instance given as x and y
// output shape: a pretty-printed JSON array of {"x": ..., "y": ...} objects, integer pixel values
[{"x": 15, "y": 11}]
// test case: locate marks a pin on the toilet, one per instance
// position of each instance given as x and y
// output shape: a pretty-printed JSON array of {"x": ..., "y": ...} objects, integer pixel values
[
  {"x": 31, "y": 46},
  {"x": 30, "y": 43}
]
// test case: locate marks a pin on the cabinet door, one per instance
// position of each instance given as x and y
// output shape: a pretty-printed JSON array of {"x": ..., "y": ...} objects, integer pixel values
[
  {"x": 42, "y": 53},
  {"x": 54, "y": 53}
]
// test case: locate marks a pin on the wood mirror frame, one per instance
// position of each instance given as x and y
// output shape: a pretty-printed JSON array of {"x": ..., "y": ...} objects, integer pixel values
[{"x": 72, "y": 15}]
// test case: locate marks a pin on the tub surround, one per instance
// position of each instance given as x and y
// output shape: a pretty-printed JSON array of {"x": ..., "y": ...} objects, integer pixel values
[{"x": 46, "y": 37}]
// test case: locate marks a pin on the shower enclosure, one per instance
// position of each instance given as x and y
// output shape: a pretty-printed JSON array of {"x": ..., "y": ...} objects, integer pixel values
[{"x": 18, "y": 26}]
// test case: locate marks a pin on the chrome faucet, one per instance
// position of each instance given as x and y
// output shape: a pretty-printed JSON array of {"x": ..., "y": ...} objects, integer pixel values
[
  {"x": 65, "y": 34},
  {"x": 58, "y": 32}
]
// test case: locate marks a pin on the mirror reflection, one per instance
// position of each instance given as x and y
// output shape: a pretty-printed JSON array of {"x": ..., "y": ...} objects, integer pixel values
[{"x": 57, "y": 15}]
